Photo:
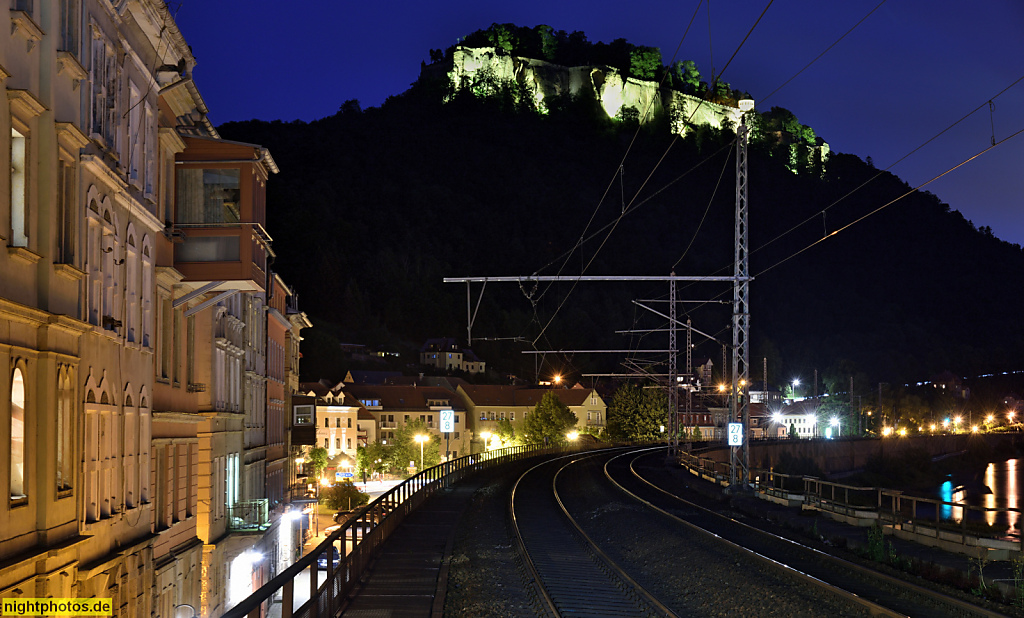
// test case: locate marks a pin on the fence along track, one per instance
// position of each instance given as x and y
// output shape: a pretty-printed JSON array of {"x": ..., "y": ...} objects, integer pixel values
[
  {"x": 732, "y": 533},
  {"x": 573, "y": 576}
]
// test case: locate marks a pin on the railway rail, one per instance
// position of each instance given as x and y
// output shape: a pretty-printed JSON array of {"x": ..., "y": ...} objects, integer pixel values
[{"x": 611, "y": 534}]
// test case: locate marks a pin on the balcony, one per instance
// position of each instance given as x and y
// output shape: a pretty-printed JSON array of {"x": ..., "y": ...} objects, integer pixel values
[
  {"x": 220, "y": 210},
  {"x": 229, "y": 252},
  {"x": 303, "y": 435},
  {"x": 249, "y": 515}
]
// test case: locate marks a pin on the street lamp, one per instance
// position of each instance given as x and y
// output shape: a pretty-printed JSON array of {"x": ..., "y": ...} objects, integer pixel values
[
  {"x": 572, "y": 435},
  {"x": 421, "y": 439},
  {"x": 777, "y": 419},
  {"x": 835, "y": 423},
  {"x": 486, "y": 435},
  {"x": 796, "y": 383}
]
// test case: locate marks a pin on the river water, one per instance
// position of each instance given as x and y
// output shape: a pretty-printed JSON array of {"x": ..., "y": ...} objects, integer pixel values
[{"x": 999, "y": 486}]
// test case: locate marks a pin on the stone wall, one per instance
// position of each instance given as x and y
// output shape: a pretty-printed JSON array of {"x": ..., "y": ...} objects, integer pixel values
[{"x": 605, "y": 84}]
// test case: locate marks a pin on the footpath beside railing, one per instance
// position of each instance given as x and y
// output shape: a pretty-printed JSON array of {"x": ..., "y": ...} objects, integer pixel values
[
  {"x": 365, "y": 532},
  {"x": 952, "y": 526}
]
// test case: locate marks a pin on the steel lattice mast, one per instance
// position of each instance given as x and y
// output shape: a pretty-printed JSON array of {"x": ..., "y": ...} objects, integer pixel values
[
  {"x": 740, "y": 405},
  {"x": 673, "y": 380}
]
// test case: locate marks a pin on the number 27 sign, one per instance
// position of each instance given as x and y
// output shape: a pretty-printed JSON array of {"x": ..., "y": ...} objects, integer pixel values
[{"x": 735, "y": 434}]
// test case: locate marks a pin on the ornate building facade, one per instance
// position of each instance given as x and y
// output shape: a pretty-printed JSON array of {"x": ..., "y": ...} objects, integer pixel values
[{"x": 143, "y": 338}]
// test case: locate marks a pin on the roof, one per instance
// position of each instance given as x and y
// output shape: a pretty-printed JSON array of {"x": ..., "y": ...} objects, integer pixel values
[
  {"x": 441, "y": 344},
  {"x": 501, "y": 395},
  {"x": 402, "y": 397}
]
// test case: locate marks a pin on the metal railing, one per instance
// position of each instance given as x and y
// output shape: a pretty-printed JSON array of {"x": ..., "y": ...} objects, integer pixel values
[
  {"x": 957, "y": 523},
  {"x": 367, "y": 531},
  {"x": 940, "y": 517}
]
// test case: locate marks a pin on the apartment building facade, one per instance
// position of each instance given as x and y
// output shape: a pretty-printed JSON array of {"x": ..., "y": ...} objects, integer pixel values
[{"x": 149, "y": 351}]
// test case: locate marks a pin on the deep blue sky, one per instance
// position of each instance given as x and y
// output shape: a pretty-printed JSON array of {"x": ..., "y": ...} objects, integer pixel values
[{"x": 909, "y": 71}]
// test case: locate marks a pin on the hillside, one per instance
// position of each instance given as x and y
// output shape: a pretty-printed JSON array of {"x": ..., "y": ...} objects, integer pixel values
[{"x": 373, "y": 208}]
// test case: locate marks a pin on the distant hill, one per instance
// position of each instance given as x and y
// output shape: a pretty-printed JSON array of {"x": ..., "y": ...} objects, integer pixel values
[{"x": 373, "y": 208}]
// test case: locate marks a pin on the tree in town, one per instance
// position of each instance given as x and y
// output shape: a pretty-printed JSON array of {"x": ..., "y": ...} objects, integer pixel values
[
  {"x": 793, "y": 435},
  {"x": 506, "y": 432},
  {"x": 317, "y": 460},
  {"x": 637, "y": 413},
  {"x": 343, "y": 496},
  {"x": 371, "y": 459},
  {"x": 405, "y": 448},
  {"x": 549, "y": 420}
]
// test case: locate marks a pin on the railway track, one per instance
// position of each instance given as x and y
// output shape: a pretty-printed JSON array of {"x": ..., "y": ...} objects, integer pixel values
[
  {"x": 560, "y": 557},
  {"x": 605, "y": 534}
]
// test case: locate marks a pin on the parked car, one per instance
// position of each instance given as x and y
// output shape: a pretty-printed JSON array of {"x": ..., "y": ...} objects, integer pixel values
[
  {"x": 321, "y": 562},
  {"x": 342, "y": 515}
]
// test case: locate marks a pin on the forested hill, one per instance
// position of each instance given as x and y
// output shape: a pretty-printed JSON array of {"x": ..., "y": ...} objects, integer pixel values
[{"x": 373, "y": 208}]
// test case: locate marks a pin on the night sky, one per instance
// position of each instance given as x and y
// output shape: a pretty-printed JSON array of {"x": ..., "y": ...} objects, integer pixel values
[{"x": 909, "y": 71}]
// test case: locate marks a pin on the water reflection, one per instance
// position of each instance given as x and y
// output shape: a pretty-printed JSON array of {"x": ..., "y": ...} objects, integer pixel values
[
  {"x": 999, "y": 489},
  {"x": 948, "y": 495}
]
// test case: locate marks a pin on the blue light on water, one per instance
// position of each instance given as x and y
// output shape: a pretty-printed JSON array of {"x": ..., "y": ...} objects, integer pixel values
[{"x": 946, "y": 492}]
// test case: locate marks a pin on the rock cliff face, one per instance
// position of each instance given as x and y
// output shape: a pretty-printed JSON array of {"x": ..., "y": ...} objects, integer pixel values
[
  {"x": 607, "y": 85},
  {"x": 484, "y": 67}
]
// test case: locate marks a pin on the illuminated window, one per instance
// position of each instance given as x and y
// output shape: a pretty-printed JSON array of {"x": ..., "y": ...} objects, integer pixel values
[
  {"x": 64, "y": 452},
  {"x": 19, "y": 197},
  {"x": 18, "y": 436}
]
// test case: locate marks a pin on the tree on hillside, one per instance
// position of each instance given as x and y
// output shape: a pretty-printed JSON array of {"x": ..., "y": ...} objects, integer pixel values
[
  {"x": 645, "y": 62},
  {"x": 548, "y": 42},
  {"x": 549, "y": 420},
  {"x": 503, "y": 36},
  {"x": 637, "y": 413}
]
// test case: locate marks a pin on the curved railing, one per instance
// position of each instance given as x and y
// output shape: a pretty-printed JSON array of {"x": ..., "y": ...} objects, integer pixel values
[{"x": 367, "y": 531}]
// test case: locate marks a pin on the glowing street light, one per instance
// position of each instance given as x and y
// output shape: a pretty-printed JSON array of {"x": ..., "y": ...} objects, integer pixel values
[
  {"x": 421, "y": 439},
  {"x": 572, "y": 435},
  {"x": 796, "y": 383},
  {"x": 835, "y": 423},
  {"x": 903, "y": 432},
  {"x": 486, "y": 435}
]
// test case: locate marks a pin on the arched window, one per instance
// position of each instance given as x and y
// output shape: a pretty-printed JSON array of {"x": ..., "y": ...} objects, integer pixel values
[
  {"x": 147, "y": 292},
  {"x": 18, "y": 484},
  {"x": 131, "y": 286}
]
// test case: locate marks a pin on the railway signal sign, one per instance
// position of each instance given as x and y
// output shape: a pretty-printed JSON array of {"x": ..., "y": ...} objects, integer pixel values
[
  {"x": 447, "y": 421},
  {"x": 735, "y": 434}
]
